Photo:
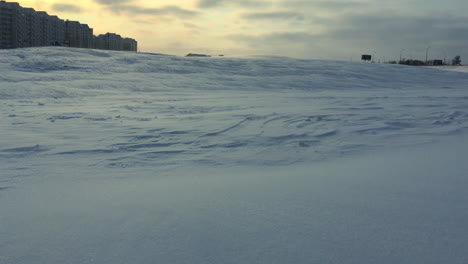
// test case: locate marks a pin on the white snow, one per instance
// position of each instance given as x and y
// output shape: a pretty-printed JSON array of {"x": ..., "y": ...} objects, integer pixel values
[
  {"x": 113, "y": 157},
  {"x": 452, "y": 68}
]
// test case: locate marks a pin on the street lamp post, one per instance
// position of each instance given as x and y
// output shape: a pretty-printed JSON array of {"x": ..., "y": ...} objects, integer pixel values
[
  {"x": 401, "y": 52},
  {"x": 427, "y": 52}
]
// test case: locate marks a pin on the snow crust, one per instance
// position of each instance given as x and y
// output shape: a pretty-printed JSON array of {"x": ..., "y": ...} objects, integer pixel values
[{"x": 112, "y": 157}]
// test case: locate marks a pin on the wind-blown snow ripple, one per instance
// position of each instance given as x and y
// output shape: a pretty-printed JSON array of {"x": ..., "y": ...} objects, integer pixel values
[{"x": 122, "y": 110}]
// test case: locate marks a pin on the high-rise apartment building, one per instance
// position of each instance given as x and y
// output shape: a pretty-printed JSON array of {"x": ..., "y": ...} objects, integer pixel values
[
  {"x": 24, "y": 27},
  {"x": 32, "y": 27},
  {"x": 72, "y": 34},
  {"x": 109, "y": 41},
  {"x": 86, "y": 36},
  {"x": 12, "y": 31},
  {"x": 78, "y": 35},
  {"x": 58, "y": 31},
  {"x": 129, "y": 44}
]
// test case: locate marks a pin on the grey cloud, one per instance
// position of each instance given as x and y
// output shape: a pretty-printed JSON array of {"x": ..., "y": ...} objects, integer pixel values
[
  {"x": 242, "y": 3},
  {"x": 384, "y": 30},
  {"x": 209, "y": 3},
  {"x": 356, "y": 33},
  {"x": 273, "y": 16},
  {"x": 329, "y": 5},
  {"x": 163, "y": 11},
  {"x": 294, "y": 44},
  {"x": 336, "y": 5},
  {"x": 391, "y": 29},
  {"x": 274, "y": 38},
  {"x": 112, "y": 2},
  {"x": 66, "y": 8},
  {"x": 386, "y": 35}
]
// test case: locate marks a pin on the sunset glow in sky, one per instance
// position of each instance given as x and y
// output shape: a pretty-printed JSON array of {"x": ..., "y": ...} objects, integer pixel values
[{"x": 317, "y": 29}]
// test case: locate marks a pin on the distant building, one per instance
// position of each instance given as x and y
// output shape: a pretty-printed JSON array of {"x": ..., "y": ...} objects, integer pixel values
[
  {"x": 108, "y": 41},
  {"x": 24, "y": 27},
  {"x": 44, "y": 29},
  {"x": 129, "y": 44},
  {"x": 112, "y": 41},
  {"x": 437, "y": 62},
  {"x": 57, "y": 34},
  {"x": 86, "y": 36},
  {"x": 78, "y": 35},
  {"x": 32, "y": 27},
  {"x": 72, "y": 34},
  {"x": 98, "y": 42},
  {"x": 12, "y": 26}
]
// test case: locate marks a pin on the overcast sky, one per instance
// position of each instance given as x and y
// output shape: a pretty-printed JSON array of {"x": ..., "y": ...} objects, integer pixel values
[{"x": 319, "y": 29}]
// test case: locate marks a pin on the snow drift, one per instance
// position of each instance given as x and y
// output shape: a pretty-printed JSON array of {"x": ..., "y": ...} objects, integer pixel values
[{"x": 112, "y": 157}]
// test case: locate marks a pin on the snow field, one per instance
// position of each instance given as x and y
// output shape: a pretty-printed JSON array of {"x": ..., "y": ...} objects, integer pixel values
[{"x": 109, "y": 157}]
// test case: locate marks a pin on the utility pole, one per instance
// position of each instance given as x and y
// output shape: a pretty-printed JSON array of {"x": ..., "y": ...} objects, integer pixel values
[
  {"x": 445, "y": 56},
  {"x": 401, "y": 52},
  {"x": 427, "y": 52}
]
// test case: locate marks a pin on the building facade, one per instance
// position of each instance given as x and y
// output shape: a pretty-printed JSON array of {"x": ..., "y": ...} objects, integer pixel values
[
  {"x": 129, "y": 44},
  {"x": 11, "y": 28},
  {"x": 112, "y": 41},
  {"x": 109, "y": 41},
  {"x": 24, "y": 27}
]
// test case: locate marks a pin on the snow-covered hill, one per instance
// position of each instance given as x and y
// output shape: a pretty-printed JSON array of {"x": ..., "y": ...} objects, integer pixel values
[
  {"x": 113, "y": 157},
  {"x": 452, "y": 68},
  {"x": 110, "y": 109}
]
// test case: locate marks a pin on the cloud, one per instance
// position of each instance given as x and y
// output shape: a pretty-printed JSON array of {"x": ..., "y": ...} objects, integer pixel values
[
  {"x": 307, "y": 28},
  {"x": 68, "y": 8},
  {"x": 333, "y": 5},
  {"x": 242, "y": 3},
  {"x": 163, "y": 11},
  {"x": 356, "y": 33},
  {"x": 377, "y": 29},
  {"x": 191, "y": 26},
  {"x": 112, "y": 2},
  {"x": 392, "y": 30},
  {"x": 338, "y": 5},
  {"x": 277, "y": 38},
  {"x": 273, "y": 16},
  {"x": 298, "y": 44}
]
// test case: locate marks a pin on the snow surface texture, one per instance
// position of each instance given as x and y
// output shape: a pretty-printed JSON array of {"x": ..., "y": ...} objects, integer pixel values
[
  {"x": 112, "y": 157},
  {"x": 452, "y": 68}
]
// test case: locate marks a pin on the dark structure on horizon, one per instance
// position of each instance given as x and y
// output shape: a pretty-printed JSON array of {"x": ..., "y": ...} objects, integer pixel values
[
  {"x": 24, "y": 27},
  {"x": 365, "y": 57},
  {"x": 196, "y": 55},
  {"x": 437, "y": 62}
]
